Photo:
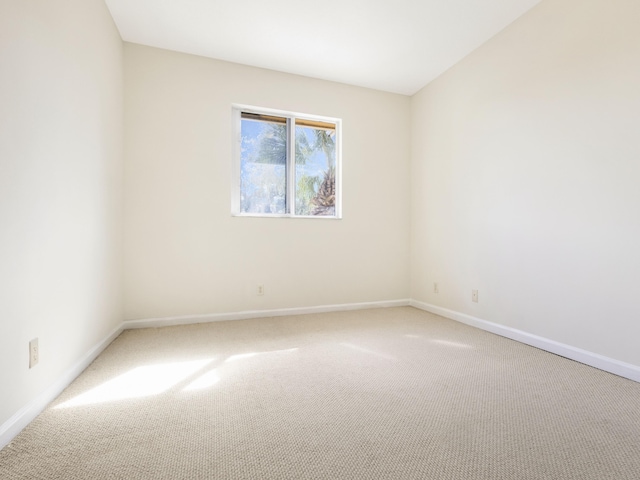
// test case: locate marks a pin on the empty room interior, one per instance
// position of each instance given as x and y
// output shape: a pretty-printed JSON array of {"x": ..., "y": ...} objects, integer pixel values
[{"x": 342, "y": 240}]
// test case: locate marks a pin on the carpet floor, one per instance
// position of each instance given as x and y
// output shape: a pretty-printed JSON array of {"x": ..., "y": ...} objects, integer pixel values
[{"x": 392, "y": 393}]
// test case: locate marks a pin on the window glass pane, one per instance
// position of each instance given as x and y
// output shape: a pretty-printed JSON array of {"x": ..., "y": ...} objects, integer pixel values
[
  {"x": 263, "y": 170},
  {"x": 315, "y": 171}
]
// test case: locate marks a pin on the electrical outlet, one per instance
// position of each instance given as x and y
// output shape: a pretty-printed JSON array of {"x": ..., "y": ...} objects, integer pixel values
[
  {"x": 34, "y": 353},
  {"x": 435, "y": 287},
  {"x": 260, "y": 290},
  {"x": 474, "y": 296}
]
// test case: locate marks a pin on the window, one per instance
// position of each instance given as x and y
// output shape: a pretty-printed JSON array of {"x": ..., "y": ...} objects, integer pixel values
[{"x": 287, "y": 165}]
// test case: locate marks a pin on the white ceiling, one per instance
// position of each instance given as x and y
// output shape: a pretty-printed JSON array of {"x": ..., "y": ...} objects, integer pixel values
[{"x": 393, "y": 45}]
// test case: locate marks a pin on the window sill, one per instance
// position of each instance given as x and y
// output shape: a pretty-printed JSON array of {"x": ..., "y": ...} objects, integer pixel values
[{"x": 271, "y": 215}]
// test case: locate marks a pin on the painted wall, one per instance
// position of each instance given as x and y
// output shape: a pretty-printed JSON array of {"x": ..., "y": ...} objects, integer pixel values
[
  {"x": 526, "y": 175},
  {"x": 185, "y": 253},
  {"x": 60, "y": 189}
]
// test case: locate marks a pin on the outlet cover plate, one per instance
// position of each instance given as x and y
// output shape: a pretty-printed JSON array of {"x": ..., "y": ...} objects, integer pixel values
[{"x": 34, "y": 353}]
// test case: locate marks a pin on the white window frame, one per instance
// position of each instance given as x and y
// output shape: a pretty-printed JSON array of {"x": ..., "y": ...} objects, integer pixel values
[{"x": 237, "y": 109}]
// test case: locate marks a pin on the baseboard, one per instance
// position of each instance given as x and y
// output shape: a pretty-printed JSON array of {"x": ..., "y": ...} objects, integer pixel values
[
  {"x": 22, "y": 418},
  {"x": 281, "y": 312},
  {"x": 626, "y": 370}
]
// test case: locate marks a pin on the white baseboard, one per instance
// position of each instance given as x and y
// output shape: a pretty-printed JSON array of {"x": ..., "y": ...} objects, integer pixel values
[
  {"x": 281, "y": 312},
  {"x": 22, "y": 418},
  {"x": 626, "y": 370}
]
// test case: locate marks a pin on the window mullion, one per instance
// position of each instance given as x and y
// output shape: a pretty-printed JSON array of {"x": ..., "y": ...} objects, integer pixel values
[{"x": 291, "y": 166}]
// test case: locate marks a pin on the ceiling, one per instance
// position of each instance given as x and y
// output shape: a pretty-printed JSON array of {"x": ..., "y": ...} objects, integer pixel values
[{"x": 397, "y": 46}]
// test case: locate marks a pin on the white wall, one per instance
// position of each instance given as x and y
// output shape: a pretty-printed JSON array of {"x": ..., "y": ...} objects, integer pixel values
[
  {"x": 60, "y": 189},
  {"x": 526, "y": 178},
  {"x": 185, "y": 253}
]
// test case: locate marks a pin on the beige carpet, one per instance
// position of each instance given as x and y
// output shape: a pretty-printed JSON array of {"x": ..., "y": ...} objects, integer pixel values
[{"x": 390, "y": 393}]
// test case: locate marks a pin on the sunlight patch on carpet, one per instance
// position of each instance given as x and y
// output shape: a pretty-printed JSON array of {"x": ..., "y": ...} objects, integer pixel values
[
  {"x": 241, "y": 356},
  {"x": 448, "y": 343},
  {"x": 206, "y": 380},
  {"x": 139, "y": 382}
]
